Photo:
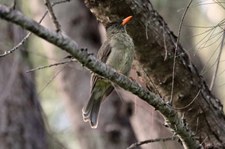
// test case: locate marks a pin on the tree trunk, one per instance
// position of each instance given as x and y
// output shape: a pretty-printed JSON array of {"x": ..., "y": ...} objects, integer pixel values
[{"x": 21, "y": 122}]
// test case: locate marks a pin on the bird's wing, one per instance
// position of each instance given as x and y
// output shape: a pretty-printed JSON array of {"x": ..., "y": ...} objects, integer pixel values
[
  {"x": 103, "y": 54},
  {"x": 104, "y": 51}
]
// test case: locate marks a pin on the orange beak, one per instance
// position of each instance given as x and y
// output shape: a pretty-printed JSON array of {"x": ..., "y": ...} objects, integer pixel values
[{"x": 126, "y": 20}]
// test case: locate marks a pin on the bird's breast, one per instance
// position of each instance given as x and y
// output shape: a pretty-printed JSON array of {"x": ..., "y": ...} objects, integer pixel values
[
  {"x": 122, "y": 41},
  {"x": 122, "y": 53}
]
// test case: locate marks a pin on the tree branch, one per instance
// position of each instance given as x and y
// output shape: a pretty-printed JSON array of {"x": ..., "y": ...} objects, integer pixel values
[
  {"x": 52, "y": 15},
  {"x": 132, "y": 146},
  {"x": 96, "y": 66},
  {"x": 7, "y": 52}
]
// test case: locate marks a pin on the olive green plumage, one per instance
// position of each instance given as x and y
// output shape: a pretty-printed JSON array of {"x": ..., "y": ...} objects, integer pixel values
[{"x": 118, "y": 52}]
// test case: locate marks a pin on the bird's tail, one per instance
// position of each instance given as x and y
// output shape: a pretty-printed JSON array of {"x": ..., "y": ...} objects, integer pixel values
[{"x": 91, "y": 110}]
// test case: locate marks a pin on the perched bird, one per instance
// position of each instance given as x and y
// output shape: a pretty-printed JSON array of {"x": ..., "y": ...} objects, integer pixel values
[{"x": 118, "y": 52}]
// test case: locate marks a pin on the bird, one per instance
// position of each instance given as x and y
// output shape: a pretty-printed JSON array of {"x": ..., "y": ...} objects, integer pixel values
[{"x": 117, "y": 52}]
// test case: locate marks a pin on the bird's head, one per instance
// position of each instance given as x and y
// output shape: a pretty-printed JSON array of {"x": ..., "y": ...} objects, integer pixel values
[{"x": 118, "y": 26}]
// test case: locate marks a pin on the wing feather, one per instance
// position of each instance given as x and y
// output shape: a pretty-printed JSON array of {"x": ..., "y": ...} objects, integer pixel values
[{"x": 103, "y": 54}]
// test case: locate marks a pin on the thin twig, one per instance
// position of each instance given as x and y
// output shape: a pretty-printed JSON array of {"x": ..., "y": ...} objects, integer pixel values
[
  {"x": 16, "y": 47},
  {"x": 52, "y": 15},
  {"x": 164, "y": 42},
  {"x": 204, "y": 140},
  {"x": 175, "y": 52},
  {"x": 14, "y": 4},
  {"x": 49, "y": 81},
  {"x": 60, "y": 2},
  {"x": 134, "y": 145},
  {"x": 22, "y": 41},
  {"x": 28, "y": 35},
  {"x": 217, "y": 63},
  {"x": 181, "y": 108},
  {"x": 51, "y": 65},
  {"x": 146, "y": 31}
]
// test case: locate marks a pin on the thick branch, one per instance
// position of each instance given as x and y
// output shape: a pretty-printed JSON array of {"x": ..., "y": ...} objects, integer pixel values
[{"x": 96, "y": 66}]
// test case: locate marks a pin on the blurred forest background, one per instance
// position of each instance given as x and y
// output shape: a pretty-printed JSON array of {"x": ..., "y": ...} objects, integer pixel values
[{"x": 57, "y": 94}]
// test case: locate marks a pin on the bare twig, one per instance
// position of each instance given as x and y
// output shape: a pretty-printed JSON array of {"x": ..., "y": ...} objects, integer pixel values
[
  {"x": 181, "y": 108},
  {"x": 175, "y": 52},
  {"x": 59, "y": 2},
  {"x": 28, "y": 35},
  {"x": 49, "y": 81},
  {"x": 22, "y": 41},
  {"x": 14, "y": 4},
  {"x": 164, "y": 42},
  {"x": 217, "y": 62},
  {"x": 146, "y": 31},
  {"x": 134, "y": 145},
  {"x": 52, "y": 15},
  {"x": 51, "y": 65},
  {"x": 16, "y": 47},
  {"x": 204, "y": 140}
]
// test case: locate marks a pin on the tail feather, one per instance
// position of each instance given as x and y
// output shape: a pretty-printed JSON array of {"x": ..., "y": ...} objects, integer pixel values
[
  {"x": 91, "y": 111},
  {"x": 100, "y": 90}
]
